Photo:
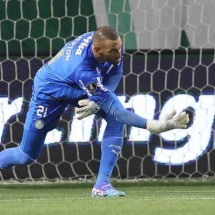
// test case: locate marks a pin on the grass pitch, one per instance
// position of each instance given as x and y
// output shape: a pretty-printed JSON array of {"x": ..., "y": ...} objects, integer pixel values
[{"x": 69, "y": 199}]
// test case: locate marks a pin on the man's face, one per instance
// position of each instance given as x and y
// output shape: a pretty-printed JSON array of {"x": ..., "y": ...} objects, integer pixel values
[{"x": 111, "y": 51}]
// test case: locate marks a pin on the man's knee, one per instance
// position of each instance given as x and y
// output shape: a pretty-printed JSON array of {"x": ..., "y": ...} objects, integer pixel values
[{"x": 24, "y": 158}]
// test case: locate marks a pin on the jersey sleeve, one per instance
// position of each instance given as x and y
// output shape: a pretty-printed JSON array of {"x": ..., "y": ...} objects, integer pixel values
[{"x": 91, "y": 82}]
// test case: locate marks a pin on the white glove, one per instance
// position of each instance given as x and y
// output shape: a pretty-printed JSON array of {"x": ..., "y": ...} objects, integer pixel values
[
  {"x": 168, "y": 123},
  {"x": 87, "y": 108}
]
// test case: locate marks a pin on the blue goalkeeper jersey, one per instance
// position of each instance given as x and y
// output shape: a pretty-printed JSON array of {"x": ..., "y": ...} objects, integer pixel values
[{"x": 74, "y": 73}]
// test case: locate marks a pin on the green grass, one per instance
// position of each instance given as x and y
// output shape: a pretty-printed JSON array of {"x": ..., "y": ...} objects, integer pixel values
[{"x": 75, "y": 200}]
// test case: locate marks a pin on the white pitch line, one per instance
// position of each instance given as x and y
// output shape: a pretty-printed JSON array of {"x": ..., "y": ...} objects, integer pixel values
[
  {"x": 178, "y": 191},
  {"x": 181, "y": 198},
  {"x": 95, "y": 199},
  {"x": 41, "y": 199}
]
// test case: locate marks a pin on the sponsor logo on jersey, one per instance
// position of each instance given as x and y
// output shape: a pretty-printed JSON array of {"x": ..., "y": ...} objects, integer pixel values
[
  {"x": 92, "y": 87},
  {"x": 39, "y": 124},
  {"x": 100, "y": 85},
  {"x": 82, "y": 45}
]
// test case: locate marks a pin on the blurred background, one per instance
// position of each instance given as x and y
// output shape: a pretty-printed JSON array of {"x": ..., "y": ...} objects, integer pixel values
[{"x": 168, "y": 63}]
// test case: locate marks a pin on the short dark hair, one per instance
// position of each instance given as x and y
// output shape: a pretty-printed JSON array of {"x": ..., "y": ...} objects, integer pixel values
[{"x": 105, "y": 32}]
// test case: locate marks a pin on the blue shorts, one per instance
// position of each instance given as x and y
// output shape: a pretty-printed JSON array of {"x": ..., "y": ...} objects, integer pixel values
[{"x": 43, "y": 116}]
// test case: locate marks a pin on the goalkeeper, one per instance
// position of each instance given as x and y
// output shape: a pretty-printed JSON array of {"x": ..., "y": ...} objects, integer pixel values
[{"x": 84, "y": 74}]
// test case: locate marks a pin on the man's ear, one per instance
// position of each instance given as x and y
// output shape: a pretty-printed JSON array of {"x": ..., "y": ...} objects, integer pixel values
[{"x": 97, "y": 50}]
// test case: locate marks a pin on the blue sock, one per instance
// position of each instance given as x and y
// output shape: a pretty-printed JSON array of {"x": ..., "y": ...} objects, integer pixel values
[{"x": 111, "y": 148}]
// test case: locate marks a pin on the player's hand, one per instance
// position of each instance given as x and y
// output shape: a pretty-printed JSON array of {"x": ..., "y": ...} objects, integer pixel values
[
  {"x": 169, "y": 122},
  {"x": 87, "y": 108}
]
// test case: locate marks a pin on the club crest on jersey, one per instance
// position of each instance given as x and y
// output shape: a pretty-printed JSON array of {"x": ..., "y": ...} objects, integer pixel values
[
  {"x": 39, "y": 124},
  {"x": 91, "y": 87}
]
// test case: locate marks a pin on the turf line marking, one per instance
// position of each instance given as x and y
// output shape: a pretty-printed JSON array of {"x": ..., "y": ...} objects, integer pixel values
[
  {"x": 94, "y": 199},
  {"x": 182, "y": 191}
]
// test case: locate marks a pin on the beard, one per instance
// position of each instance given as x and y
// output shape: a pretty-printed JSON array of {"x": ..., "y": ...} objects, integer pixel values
[
  {"x": 111, "y": 59},
  {"x": 114, "y": 61}
]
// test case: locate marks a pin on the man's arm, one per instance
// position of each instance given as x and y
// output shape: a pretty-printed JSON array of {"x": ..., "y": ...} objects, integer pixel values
[
  {"x": 110, "y": 104},
  {"x": 171, "y": 121},
  {"x": 112, "y": 81}
]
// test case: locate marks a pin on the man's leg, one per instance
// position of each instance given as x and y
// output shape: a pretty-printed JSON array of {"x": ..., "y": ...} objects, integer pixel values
[
  {"x": 111, "y": 147},
  {"x": 41, "y": 118},
  {"x": 28, "y": 151}
]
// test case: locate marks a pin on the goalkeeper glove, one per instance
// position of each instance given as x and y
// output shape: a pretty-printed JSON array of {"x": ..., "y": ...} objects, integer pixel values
[
  {"x": 168, "y": 123},
  {"x": 87, "y": 108}
]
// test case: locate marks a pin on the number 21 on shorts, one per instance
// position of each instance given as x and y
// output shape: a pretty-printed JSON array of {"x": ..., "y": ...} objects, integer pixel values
[{"x": 42, "y": 111}]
